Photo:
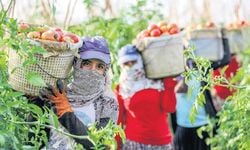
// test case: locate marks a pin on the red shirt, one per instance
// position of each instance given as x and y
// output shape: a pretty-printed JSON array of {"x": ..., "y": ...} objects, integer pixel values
[
  {"x": 233, "y": 66},
  {"x": 145, "y": 114}
]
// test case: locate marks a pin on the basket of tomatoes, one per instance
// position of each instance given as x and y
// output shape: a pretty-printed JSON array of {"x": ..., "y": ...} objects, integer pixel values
[
  {"x": 161, "y": 48},
  {"x": 206, "y": 39},
  {"x": 53, "y": 65},
  {"x": 238, "y": 36}
]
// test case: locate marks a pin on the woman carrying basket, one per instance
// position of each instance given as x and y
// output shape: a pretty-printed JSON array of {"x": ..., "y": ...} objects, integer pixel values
[
  {"x": 143, "y": 104},
  {"x": 88, "y": 99}
]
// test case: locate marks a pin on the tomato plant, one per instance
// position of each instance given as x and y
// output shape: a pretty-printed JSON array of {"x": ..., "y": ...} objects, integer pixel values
[{"x": 233, "y": 120}]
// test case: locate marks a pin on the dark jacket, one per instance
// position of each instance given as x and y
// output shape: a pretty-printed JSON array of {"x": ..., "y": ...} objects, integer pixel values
[{"x": 69, "y": 121}]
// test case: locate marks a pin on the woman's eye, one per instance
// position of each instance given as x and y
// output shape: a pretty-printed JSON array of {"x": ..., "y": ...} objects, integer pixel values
[
  {"x": 85, "y": 63},
  {"x": 101, "y": 66}
]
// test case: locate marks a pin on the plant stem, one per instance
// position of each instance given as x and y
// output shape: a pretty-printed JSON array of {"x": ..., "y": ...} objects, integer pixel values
[{"x": 52, "y": 127}]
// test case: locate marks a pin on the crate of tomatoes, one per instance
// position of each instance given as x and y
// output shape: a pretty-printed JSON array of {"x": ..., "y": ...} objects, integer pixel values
[
  {"x": 161, "y": 47},
  {"x": 238, "y": 36},
  {"x": 55, "y": 64},
  {"x": 207, "y": 41}
]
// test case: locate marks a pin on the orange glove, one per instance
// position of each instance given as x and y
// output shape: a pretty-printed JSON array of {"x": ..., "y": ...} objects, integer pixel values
[{"x": 58, "y": 97}]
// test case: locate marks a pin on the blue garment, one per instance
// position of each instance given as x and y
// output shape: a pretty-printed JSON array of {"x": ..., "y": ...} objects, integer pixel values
[{"x": 184, "y": 105}]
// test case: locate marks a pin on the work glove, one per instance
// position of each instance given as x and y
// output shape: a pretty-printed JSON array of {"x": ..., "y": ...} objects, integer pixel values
[{"x": 57, "y": 96}]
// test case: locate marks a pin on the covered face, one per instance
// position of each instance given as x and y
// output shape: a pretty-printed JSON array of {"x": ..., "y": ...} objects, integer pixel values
[
  {"x": 132, "y": 78},
  {"x": 89, "y": 86},
  {"x": 90, "y": 71}
]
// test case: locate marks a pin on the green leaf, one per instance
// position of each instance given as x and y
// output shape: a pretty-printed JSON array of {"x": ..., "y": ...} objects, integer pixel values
[
  {"x": 35, "y": 79},
  {"x": 16, "y": 94},
  {"x": 28, "y": 147},
  {"x": 3, "y": 108},
  {"x": 37, "y": 110},
  {"x": 2, "y": 140},
  {"x": 55, "y": 119}
]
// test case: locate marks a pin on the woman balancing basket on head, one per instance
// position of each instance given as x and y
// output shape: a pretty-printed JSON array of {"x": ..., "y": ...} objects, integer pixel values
[{"x": 146, "y": 88}]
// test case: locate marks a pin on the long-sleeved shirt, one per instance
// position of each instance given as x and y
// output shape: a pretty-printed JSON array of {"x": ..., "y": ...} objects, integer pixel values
[{"x": 144, "y": 115}]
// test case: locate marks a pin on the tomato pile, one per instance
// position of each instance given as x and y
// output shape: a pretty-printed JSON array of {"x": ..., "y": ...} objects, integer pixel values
[
  {"x": 47, "y": 33},
  {"x": 160, "y": 29},
  {"x": 237, "y": 25}
]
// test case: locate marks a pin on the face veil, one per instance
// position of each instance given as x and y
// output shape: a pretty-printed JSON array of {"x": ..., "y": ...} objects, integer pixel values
[{"x": 86, "y": 86}]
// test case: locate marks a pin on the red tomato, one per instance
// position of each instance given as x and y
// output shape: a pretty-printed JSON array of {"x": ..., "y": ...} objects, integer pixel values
[
  {"x": 155, "y": 32},
  {"x": 145, "y": 33},
  {"x": 49, "y": 35},
  {"x": 72, "y": 36},
  {"x": 152, "y": 27},
  {"x": 172, "y": 25},
  {"x": 58, "y": 30},
  {"x": 59, "y": 36},
  {"x": 210, "y": 24},
  {"x": 164, "y": 28},
  {"x": 174, "y": 30}
]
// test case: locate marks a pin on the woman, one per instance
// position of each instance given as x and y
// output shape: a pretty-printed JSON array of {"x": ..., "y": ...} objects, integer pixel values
[
  {"x": 143, "y": 104},
  {"x": 86, "y": 101},
  {"x": 186, "y": 136}
]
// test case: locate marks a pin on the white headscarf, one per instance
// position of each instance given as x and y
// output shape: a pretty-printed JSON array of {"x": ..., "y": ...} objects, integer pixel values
[{"x": 133, "y": 80}]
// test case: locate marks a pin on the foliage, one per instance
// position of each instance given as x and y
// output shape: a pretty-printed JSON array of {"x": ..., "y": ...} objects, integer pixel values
[
  {"x": 104, "y": 137},
  {"x": 233, "y": 120},
  {"x": 14, "y": 107}
]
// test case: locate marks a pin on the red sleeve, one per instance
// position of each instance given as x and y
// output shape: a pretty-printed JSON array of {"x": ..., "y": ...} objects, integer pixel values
[
  {"x": 121, "y": 115},
  {"x": 168, "y": 99},
  {"x": 233, "y": 66}
]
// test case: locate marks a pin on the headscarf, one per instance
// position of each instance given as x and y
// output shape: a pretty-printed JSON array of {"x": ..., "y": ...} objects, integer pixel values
[
  {"x": 133, "y": 79},
  {"x": 91, "y": 87}
]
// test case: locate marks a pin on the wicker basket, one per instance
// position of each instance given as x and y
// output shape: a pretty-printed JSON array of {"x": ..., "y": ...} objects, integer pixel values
[
  {"x": 162, "y": 56},
  {"x": 50, "y": 69},
  {"x": 207, "y": 43}
]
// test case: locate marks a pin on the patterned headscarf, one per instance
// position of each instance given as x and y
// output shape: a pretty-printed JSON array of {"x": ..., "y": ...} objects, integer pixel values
[{"x": 91, "y": 87}]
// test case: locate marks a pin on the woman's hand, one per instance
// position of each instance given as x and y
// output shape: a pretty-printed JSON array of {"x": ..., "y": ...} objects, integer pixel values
[{"x": 57, "y": 96}]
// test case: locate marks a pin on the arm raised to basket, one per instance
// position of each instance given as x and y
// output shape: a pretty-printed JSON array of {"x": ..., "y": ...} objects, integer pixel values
[{"x": 67, "y": 118}]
